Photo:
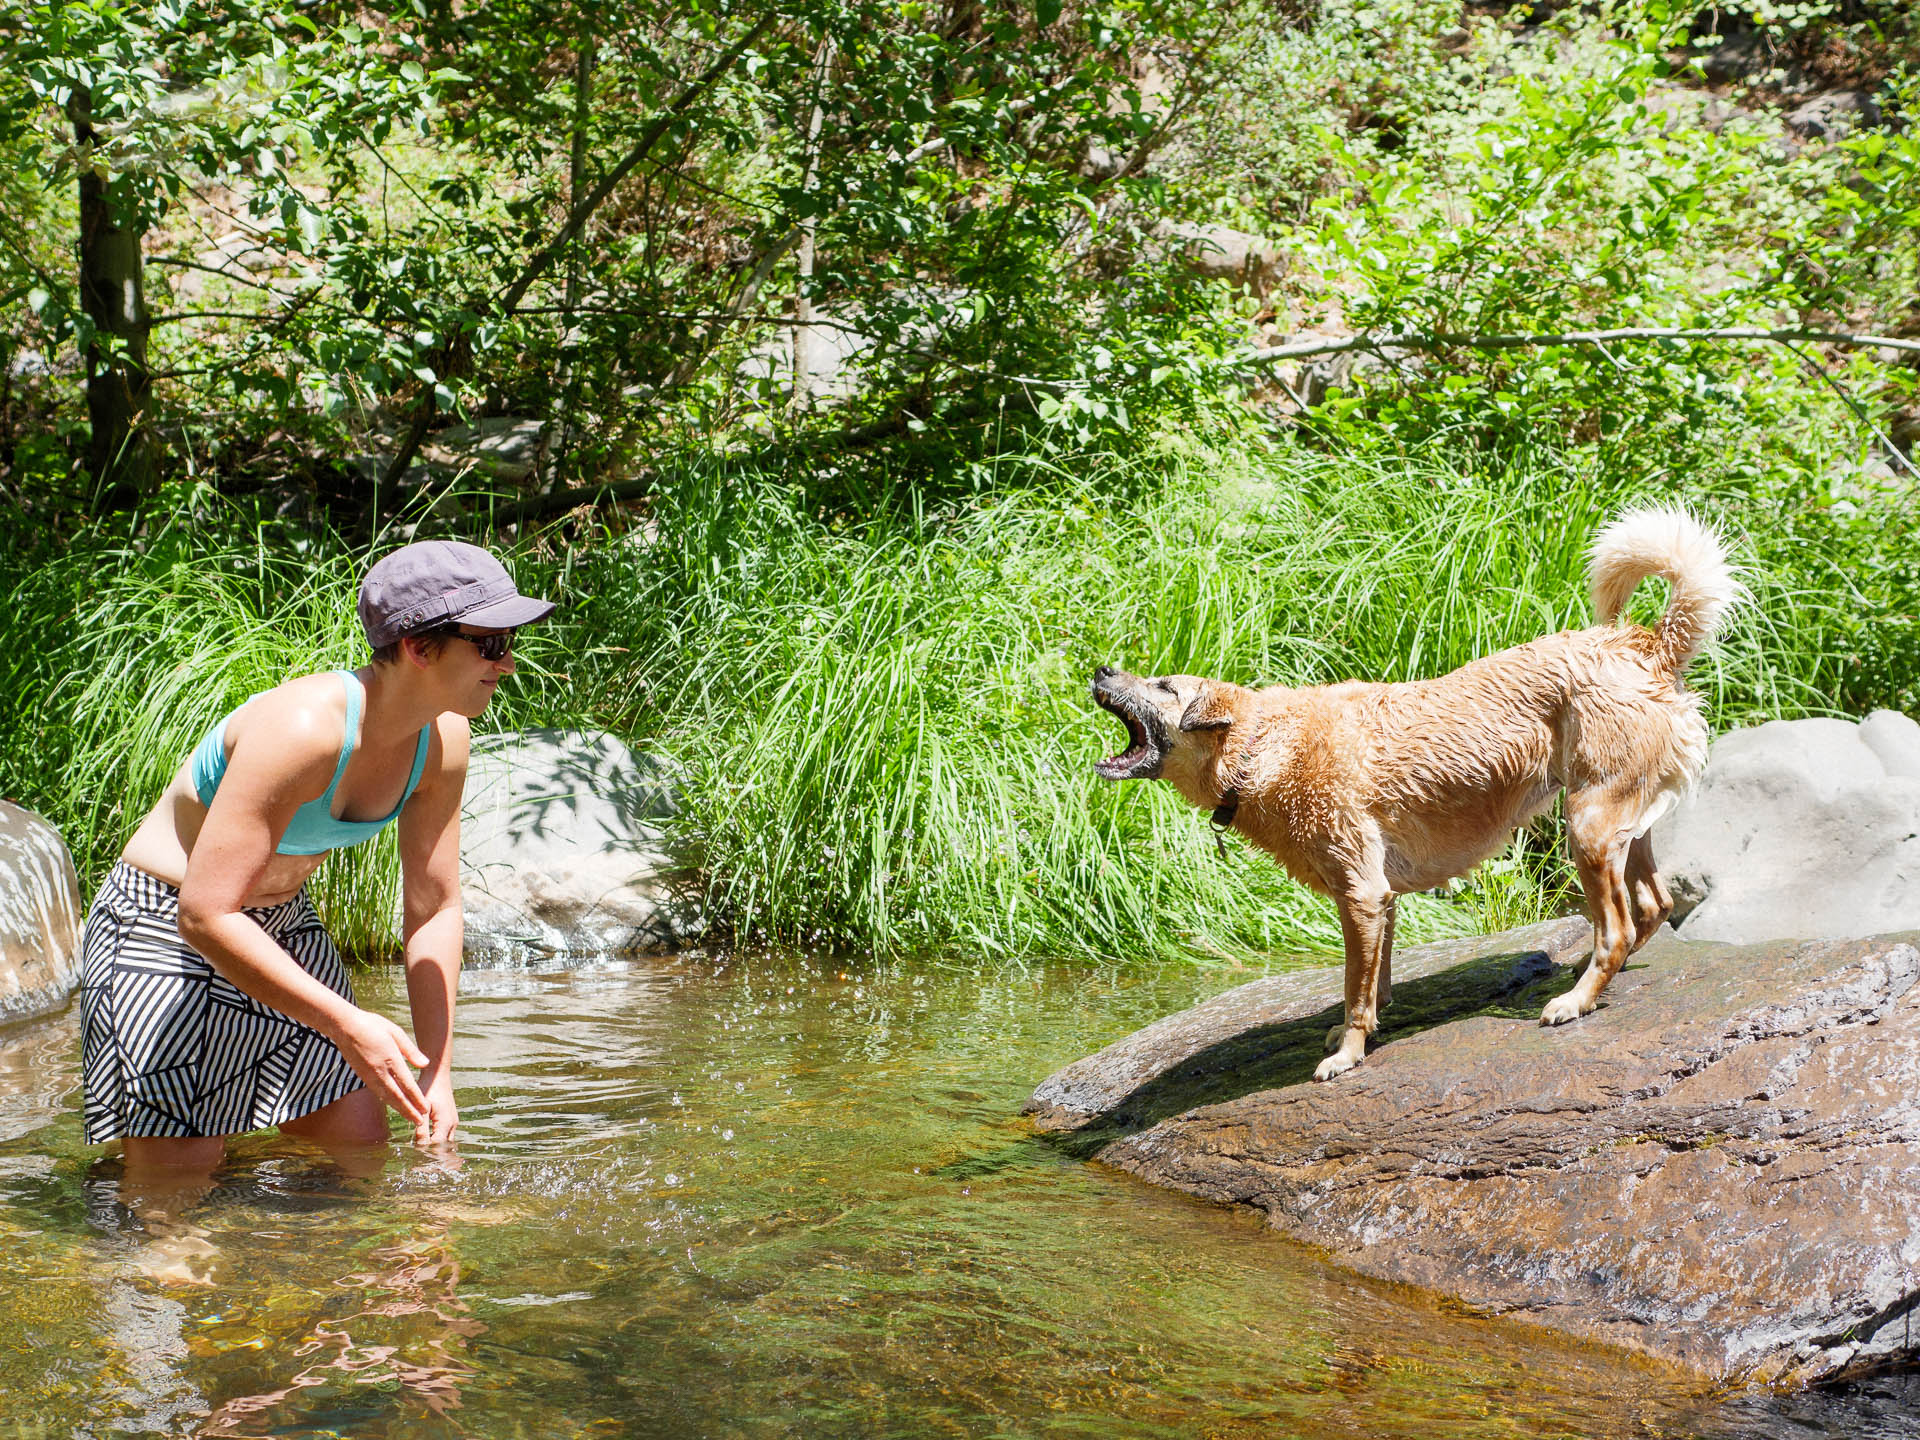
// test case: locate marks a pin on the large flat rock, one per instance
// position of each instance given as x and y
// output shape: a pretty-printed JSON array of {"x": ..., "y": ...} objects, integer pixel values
[
  {"x": 39, "y": 917},
  {"x": 563, "y": 851},
  {"x": 1719, "y": 1167},
  {"x": 1269, "y": 1031}
]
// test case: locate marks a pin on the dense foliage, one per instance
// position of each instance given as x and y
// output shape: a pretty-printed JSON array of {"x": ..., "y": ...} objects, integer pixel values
[{"x": 278, "y": 279}]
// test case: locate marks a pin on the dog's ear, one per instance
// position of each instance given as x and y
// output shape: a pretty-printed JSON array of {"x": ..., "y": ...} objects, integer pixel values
[{"x": 1207, "y": 710}]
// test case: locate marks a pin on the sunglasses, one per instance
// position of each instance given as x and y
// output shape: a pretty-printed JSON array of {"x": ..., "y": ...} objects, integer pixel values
[{"x": 491, "y": 647}]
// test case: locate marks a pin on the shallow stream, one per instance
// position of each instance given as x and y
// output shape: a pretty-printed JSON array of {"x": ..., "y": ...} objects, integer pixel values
[{"x": 751, "y": 1198}]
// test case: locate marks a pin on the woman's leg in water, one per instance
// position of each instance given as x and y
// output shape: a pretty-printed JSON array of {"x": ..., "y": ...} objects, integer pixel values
[
  {"x": 161, "y": 1155},
  {"x": 353, "y": 1130}
]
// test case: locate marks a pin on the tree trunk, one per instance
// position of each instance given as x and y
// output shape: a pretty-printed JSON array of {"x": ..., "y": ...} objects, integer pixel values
[
  {"x": 805, "y": 335},
  {"x": 120, "y": 455},
  {"x": 546, "y": 464}
]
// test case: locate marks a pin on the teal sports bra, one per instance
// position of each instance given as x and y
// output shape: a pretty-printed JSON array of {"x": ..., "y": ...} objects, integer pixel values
[{"x": 314, "y": 829}]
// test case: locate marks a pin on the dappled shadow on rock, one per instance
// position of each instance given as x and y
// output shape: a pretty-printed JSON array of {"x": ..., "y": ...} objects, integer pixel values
[
  {"x": 565, "y": 853},
  {"x": 1269, "y": 1056}
]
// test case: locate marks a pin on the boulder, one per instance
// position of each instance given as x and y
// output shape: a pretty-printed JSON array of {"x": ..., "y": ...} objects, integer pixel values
[
  {"x": 1216, "y": 252},
  {"x": 1833, "y": 115},
  {"x": 1799, "y": 829},
  {"x": 40, "y": 917},
  {"x": 501, "y": 447},
  {"x": 562, "y": 855},
  {"x": 1741, "y": 56},
  {"x": 1245, "y": 1036},
  {"x": 1720, "y": 1167}
]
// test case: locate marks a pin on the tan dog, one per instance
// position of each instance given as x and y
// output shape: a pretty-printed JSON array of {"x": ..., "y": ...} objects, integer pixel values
[{"x": 1365, "y": 792}]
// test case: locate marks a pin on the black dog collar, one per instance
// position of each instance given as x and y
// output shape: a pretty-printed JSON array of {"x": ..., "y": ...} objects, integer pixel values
[{"x": 1222, "y": 819}]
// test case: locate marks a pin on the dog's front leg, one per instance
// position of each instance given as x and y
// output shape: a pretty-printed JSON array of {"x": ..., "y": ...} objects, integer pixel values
[{"x": 1364, "y": 925}]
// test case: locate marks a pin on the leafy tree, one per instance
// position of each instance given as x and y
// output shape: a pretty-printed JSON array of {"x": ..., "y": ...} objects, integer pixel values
[{"x": 354, "y": 212}]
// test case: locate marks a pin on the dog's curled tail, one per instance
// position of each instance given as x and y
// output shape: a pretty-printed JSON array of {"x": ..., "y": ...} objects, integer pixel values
[{"x": 1664, "y": 540}]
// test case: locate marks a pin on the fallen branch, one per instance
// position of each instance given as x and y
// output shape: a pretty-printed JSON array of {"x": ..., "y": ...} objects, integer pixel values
[{"x": 1390, "y": 341}]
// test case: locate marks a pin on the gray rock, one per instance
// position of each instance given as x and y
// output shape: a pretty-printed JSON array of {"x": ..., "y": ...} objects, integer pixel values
[
  {"x": 1216, "y": 252},
  {"x": 503, "y": 447},
  {"x": 1833, "y": 115},
  {"x": 1739, "y": 56},
  {"x": 1895, "y": 738},
  {"x": 1719, "y": 1167},
  {"x": 562, "y": 854},
  {"x": 40, "y": 916},
  {"x": 1799, "y": 829}
]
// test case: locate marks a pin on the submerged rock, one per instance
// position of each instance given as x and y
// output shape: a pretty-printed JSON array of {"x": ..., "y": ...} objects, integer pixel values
[
  {"x": 1719, "y": 1167},
  {"x": 39, "y": 916},
  {"x": 1800, "y": 829},
  {"x": 562, "y": 853}
]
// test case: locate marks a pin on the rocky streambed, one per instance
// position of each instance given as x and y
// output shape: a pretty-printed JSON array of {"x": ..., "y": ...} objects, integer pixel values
[{"x": 1720, "y": 1167}]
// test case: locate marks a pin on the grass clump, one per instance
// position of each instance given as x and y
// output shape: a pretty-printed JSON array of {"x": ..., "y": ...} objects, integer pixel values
[
  {"x": 888, "y": 733},
  {"x": 123, "y": 656},
  {"x": 883, "y": 725}
]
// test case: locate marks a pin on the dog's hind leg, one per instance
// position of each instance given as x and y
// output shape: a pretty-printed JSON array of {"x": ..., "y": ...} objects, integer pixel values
[
  {"x": 1383, "y": 992},
  {"x": 1652, "y": 902},
  {"x": 1365, "y": 925},
  {"x": 1600, "y": 844}
]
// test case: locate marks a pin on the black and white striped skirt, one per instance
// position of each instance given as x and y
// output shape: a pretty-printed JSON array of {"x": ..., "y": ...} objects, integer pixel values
[{"x": 168, "y": 1047}]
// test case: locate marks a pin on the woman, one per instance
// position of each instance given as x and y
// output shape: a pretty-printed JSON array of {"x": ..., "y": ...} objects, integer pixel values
[{"x": 212, "y": 1000}]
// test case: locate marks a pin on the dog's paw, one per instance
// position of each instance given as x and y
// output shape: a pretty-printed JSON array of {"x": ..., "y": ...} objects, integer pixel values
[
  {"x": 1561, "y": 1009},
  {"x": 1336, "y": 1064},
  {"x": 1334, "y": 1037}
]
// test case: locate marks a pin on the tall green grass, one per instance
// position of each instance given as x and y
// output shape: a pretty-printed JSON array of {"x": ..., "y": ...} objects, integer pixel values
[
  {"x": 888, "y": 734},
  {"x": 882, "y": 722}
]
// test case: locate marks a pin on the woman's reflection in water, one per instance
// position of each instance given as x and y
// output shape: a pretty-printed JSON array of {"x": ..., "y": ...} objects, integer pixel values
[
  {"x": 409, "y": 1337},
  {"x": 407, "y": 1333}
]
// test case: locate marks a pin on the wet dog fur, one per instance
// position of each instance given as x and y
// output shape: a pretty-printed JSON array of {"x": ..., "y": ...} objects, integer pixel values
[{"x": 1365, "y": 792}]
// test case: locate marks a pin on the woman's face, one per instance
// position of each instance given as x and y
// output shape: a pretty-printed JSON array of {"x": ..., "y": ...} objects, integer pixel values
[{"x": 464, "y": 678}]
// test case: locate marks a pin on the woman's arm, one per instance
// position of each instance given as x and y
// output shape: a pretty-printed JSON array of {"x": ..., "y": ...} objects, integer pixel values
[
  {"x": 434, "y": 930},
  {"x": 284, "y": 756}
]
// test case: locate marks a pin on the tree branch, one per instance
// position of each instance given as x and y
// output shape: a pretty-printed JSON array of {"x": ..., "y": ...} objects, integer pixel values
[
  {"x": 578, "y": 216},
  {"x": 1390, "y": 341},
  {"x": 583, "y": 209}
]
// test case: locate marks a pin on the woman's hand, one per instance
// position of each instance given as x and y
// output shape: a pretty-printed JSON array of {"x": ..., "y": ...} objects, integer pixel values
[
  {"x": 443, "y": 1116},
  {"x": 384, "y": 1055}
]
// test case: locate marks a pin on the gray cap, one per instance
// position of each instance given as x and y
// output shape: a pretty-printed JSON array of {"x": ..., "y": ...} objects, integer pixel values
[{"x": 436, "y": 582}]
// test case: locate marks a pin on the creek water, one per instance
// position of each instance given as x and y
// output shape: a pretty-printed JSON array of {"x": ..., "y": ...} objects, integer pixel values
[{"x": 752, "y": 1197}]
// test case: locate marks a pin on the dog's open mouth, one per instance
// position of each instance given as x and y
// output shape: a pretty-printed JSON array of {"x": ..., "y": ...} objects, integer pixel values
[{"x": 1145, "y": 749}]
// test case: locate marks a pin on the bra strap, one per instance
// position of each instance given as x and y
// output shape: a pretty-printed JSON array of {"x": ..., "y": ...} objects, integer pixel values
[
  {"x": 355, "y": 699},
  {"x": 419, "y": 764}
]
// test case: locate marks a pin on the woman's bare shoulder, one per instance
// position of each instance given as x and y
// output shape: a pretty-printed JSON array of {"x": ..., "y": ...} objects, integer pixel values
[
  {"x": 304, "y": 720},
  {"x": 456, "y": 739}
]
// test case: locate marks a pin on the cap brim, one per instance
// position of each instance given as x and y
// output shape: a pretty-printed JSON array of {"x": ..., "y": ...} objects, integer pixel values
[{"x": 508, "y": 614}]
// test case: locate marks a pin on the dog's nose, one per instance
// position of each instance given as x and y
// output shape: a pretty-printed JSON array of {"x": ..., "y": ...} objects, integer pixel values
[{"x": 1103, "y": 673}]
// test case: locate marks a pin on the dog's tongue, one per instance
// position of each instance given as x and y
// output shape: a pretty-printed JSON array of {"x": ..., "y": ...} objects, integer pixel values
[{"x": 1136, "y": 752}]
